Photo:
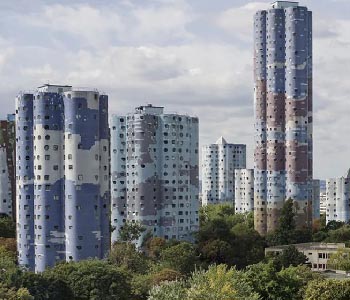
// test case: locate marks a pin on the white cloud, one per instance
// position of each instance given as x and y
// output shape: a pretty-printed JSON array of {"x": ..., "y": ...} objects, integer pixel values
[
  {"x": 165, "y": 52},
  {"x": 237, "y": 21}
]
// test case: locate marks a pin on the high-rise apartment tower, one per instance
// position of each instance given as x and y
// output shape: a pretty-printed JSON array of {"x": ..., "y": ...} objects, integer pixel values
[
  {"x": 283, "y": 113},
  {"x": 62, "y": 174},
  {"x": 338, "y": 199},
  {"x": 219, "y": 162},
  {"x": 7, "y": 167},
  {"x": 154, "y": 168}
]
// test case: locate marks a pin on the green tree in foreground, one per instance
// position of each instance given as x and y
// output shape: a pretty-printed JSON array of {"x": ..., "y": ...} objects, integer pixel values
[
  {"x": 330, "y": 289},
  {"x": 218, "y": 282},
  {"x": 93, "y": 279},
  {"x": 290, "y": 256},
  {"x": 7, "y": 227},
  {"x": 340, "y": 260},
  {"x": 131, "y": 231}
]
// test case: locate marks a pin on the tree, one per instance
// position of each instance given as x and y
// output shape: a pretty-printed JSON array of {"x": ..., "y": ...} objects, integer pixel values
[
  {"x": 7, "y": 227},
  {"x": 131, "y": 231},
  {"x": 329, "y": 289},
  {"x": 272, "y": 283},
  {"x": 340, "y": 260},
  {"x": 93, "y": 279},
  {"x": 154, "y": 246},
  {"x": 126, "y": 256},
  {"x": 13, "y": 294},
  {"x": 225, "y": 237},
  {"x": 45, "y": 286},
  {"x": 219, "y": 282},
  {"x": 285, "y": 232},
  {"x": 181, "y": 257},
  {"x": 175, "y": 290},
  {"x": 290, "y": 256}
]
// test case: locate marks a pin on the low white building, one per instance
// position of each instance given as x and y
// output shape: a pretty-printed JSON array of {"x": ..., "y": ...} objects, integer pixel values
[{"x": 317, "y": 253}]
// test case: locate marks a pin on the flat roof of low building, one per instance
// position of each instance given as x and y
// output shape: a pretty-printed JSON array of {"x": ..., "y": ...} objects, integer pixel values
[{"x": 313, "y": 245}]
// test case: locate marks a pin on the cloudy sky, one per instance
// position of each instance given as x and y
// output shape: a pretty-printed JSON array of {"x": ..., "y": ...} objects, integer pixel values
[{"x": 191, "y": 56}]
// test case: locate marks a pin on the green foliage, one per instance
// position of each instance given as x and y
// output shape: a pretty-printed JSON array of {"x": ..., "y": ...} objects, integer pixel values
[
  {"x": 219, "y": 282},
  {"x": 93, "y": 279},
  {"x": 339, "y": 235},
  {"x": 181, "y": 257},
  {"x": 290, "y": 256},
  {"x": 286, "y": 232},
  {"x": 328, "y": 290},
  {"x": 13, "y": 294},
  {"x": 45, "y": 286},
  {"x": 7, "y": 227},
  {"x": 225, "y": 237},
  {"x": 131, "y": 231},
  {"x": 340, "y": 260},
  {"x": 126, "y": 256},
  {"x": 10, "y": 274},
  {"x": 333, "y": 225},
  {"x": 271, "y": 283},
  {"x": 175, "y": 290}
]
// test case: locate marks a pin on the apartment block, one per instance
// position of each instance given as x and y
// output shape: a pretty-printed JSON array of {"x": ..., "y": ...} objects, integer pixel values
[
  {"x": 244, "y": 190},
  {"x": 62, "y": 175},
  {"x": 154, "y": 172},
  {"x": 283, "y": 114},
  {"x": 219, "y": 162},
  {"x": 338, "y": 199},
  {"x": 7, "y": 170}
]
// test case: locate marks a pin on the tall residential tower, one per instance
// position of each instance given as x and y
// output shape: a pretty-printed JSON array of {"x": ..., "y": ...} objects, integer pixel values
[
  {"x": 154, "y": 168},
  {"x": 219, "y": 162},
  {"x": 62, "y": 174},
  {"x": 283, "y": 113}
]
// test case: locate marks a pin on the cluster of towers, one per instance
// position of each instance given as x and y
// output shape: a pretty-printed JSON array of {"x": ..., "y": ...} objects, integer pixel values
[
  {"x": 81, "y": 175},
  {"x": 80, "y": 180},
  {"x": 62, "y": 174}
]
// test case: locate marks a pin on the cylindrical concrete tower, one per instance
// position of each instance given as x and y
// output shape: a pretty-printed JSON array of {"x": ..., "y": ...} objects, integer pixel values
[
  {"x": 298, "y": 140},
  {"x": 25, "y": 180},
  {"x": 105, "y": 191},
  {"x": 275, "y": 58},
  {"x": 118, "y": 174},
  {"x": 48, "y": 179},
  {"x": 260, "y": 187},
  {"x": 82, "y": 184},
  {"x": 283, "y": 53}
]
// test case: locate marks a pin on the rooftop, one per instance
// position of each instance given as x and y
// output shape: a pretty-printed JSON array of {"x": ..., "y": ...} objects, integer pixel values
[
  {"x": 311, "y": 246},
  {"x": 284, "y": 4},
  {"x": 221, "y": 141}
]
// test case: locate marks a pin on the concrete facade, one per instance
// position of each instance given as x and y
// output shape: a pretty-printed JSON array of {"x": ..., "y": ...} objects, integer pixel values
[
  {"x": 317, "y": 253},
  {"x": 283, "y": 113},
  {"x": 7, "y": 170},
  {"x": 244, "y": 190},
  {"x": 154, "y": 168},
  {"x": 316, "y": 199},
  {"x": 219, "y": 162},
  {"x": 63, "y": 194},
  {"x": 338, "y": 199}
]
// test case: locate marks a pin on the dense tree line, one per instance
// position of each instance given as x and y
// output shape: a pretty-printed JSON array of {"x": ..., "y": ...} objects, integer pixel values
[{"x": 226, "y": 262}]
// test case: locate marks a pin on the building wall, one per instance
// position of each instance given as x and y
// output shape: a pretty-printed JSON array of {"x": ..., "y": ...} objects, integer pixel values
[
  {"x": 154, "y": 170},
  {"x": 338, "y": 199},
  {"x": 7, "y": 172},
  {"x": 25, "y": 180},
  {"x": 244, "y": 190},
  {"x": 316, "y": 199},
  {"x": 67, "y": 131},
  {"x": 283, "y": 114},
  {"x": 219, "y": 162}
]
